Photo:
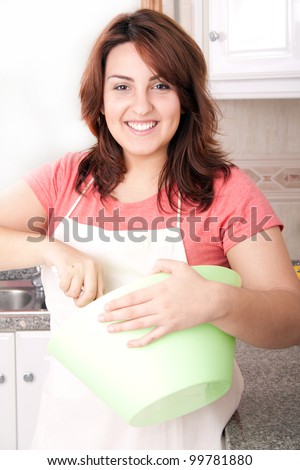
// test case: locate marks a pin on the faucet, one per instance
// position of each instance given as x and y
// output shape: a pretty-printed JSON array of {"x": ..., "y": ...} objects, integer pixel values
[{"x": 36, "y": 279}]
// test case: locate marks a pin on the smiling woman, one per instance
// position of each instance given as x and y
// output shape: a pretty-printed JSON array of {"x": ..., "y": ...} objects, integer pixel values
[
  {"x": 177, "y": 73},
  {"x": 141, "y": 111},
  {"x": 156, "y": 160}
]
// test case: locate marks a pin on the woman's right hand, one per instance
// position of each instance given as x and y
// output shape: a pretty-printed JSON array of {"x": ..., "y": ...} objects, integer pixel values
[
  {"x": 23, "y": 228},
  {"x": 80, "y": 276}
]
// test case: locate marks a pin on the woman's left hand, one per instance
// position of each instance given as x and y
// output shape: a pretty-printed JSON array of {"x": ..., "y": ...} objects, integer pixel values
[{"x": 181, "y": 301}]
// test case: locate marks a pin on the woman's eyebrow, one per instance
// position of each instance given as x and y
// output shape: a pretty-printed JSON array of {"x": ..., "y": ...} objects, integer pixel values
[
  {"x": 124, "y": 77},
  {"x": 121, "y": 77}
]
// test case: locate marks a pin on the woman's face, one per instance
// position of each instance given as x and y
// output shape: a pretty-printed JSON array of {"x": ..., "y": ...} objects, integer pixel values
[{"x": 141, "y": 110}]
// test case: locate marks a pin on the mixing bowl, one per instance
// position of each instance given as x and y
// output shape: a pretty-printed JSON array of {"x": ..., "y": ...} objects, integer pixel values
[{"x": 175, "y": 375}]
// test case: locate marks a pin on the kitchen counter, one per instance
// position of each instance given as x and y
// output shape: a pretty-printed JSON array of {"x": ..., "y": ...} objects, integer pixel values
[
  {"x": 18, "y": 321},
  {"x": 268, "y": 416}
]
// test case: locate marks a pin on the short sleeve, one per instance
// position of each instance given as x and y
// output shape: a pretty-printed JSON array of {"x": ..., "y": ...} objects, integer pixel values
[
  {"x": 244, "y": 210},
  {"x": 54, "y": 182}
]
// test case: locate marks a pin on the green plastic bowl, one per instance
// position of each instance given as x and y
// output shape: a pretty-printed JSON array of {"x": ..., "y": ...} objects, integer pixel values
[{"x": 177, "y": 374}]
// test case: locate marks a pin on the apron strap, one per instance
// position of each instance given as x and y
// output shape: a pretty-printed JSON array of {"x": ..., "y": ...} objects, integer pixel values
[
  {"x": 178, "y": 211},
  {"x": 86, "y": 188}
]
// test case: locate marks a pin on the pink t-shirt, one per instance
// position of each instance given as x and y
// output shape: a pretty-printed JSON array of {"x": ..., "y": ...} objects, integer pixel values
[{"x": 239, "y": 211}]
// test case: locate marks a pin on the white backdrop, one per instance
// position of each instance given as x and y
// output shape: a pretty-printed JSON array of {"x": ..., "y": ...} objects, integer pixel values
[{"x": 44, "y": 46}]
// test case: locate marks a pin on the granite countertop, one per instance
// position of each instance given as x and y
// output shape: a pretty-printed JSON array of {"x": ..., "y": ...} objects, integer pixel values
[
  {"x": 20, "y": 321},
  {"x": 17, "y": 274},
  {"x": 268, "y": 416}
]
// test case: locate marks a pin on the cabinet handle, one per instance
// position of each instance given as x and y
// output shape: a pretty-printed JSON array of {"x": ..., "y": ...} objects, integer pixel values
[
  {"x": 28, "y": 377},
  {"x": 2, "y": 378},
  {"x": 213, "y": 36}
]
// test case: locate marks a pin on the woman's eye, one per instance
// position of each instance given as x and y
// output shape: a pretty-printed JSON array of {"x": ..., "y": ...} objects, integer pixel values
[
  {"x": 162, "y": 86},
  {"x": 121, "y": 87}
]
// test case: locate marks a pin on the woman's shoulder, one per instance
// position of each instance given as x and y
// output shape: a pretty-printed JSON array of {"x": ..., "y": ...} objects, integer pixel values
[
  {"x": 239, "y": 196},
  {"x": 68, "y": 163},
  {"x": 54, "y": 182},
  {"x": 237, "y": 178},
  {"x": 65, "y": 166}
]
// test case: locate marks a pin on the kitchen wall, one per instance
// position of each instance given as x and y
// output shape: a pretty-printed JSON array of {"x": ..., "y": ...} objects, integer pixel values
[
  {"x": 44, "y": 46},
  {"x": 263, "y": 137}
]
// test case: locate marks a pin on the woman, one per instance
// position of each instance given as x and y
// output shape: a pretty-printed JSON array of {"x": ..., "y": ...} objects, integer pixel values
[{"x": 155, "y": 193}]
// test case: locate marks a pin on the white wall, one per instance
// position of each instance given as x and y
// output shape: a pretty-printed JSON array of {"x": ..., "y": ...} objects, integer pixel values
[{"x": 44, "y": 45}]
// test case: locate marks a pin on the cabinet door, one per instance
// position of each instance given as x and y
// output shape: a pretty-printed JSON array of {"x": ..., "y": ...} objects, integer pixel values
[
  {"x": 254, "y": 38},
  {"x": 254, "y": 48},
  {"x": 7, "y": 392},
  {"x": 31, "y": 369}
]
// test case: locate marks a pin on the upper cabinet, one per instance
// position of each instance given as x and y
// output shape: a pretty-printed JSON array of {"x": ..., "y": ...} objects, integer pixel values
[{"x": 252, "y": 47}]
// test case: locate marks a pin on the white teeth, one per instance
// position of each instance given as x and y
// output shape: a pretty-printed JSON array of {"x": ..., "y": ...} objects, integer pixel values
[{"x": 138, "y": 126}]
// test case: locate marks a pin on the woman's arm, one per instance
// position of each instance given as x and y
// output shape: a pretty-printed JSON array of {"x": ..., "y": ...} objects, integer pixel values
[
  {"x": 24, "y": 243},
  {"x": 21, "y": 247},
  {"x": 265, "y": 312}
]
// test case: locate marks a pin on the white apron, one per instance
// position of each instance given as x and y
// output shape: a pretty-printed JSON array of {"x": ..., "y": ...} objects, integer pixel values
[{"x": 73, "y": 417}]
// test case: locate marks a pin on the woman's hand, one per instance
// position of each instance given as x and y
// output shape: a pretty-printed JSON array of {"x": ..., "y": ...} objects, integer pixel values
[
  {"x": 80, "y": 276},
  {"x": 181, "y": 301}
]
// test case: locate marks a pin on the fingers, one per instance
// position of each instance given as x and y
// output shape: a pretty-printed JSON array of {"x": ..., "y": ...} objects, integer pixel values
[
  {"x": 150, "y": 337},
  {"x": 91, "y": 287},
  {"x": 134, "y": 298},
  {"x": 168, "y": 266},
  {"x": 81, "y": 281},
  {"x": 134, "y": 311},
  {"x": 171, "y": 305},
  {"x": 80, "y": 277},
  {"x": 71, "y": 280},
  {"x": 130, "y": 318}
]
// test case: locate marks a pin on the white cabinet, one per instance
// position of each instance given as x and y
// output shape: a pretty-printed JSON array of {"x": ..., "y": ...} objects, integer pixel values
[
  {"x": 24, "y": 364},
  {"x": 31, "y": 367},
  {"x": 8, "y": 429},
  {"x": 252, "y": 47}
]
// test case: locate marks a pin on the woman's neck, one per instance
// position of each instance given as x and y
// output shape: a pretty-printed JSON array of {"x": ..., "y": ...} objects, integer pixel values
[{"x": 140, "y": 182}]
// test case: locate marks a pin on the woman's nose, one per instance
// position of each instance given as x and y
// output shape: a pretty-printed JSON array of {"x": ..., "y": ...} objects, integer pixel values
[{"x": 141, "y": 104}]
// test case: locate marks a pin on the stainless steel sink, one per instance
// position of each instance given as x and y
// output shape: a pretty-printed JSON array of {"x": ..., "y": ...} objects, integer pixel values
[{"x": 18, "y": 299}]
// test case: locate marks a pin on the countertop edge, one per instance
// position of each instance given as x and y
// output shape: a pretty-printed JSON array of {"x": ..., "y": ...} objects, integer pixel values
[{"x": 20, "y": 321}]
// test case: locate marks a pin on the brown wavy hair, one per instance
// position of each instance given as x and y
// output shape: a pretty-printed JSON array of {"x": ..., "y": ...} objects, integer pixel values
[{"x": 195, "y": 157}]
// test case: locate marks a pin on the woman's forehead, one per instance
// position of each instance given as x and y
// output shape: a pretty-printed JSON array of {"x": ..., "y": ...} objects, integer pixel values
[{"x": 126, "y": 59}]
